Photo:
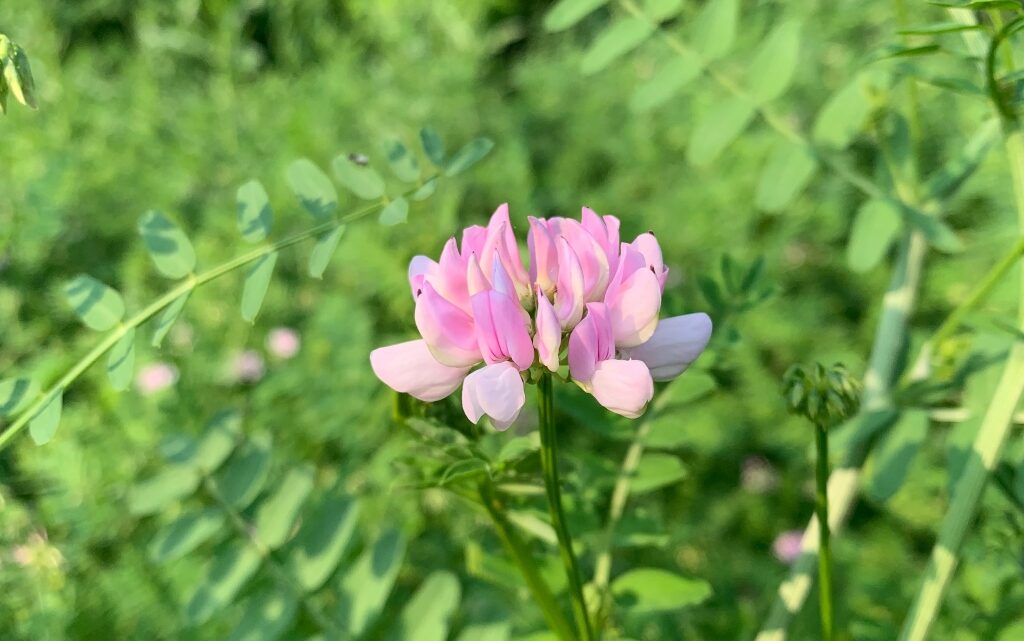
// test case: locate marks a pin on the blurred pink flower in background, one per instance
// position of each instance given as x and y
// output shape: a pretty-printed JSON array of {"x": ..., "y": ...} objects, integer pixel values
[
  {"x": 788, "y": 546},
  {"x": 758, "y": 476},
  {"x": 38, "y": 552},
  {"x": 156, "y": 377},
  {"x": 247, "y": 367},
  {"x": 283, "y": 342}
]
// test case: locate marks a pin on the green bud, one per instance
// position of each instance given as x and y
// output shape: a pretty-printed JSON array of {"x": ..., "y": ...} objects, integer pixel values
[{"x": 825, "y": 396}]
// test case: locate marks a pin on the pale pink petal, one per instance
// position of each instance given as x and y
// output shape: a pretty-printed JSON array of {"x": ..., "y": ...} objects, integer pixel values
[
  {"x": 476, "y": 280},
  {"x": 473, "y": 239},
  {"x": 590, "y": 342},
  {"x": 569, "y": 294},
  {"x": 447, "y": 329},
  {"x": 648, "y": 245},
  {"x": 624, "y": 387},
  {"x": 592, "y": 257},
  {"x": 543, "y": 255},
  {"x": 501, "y": 239},
  {"x": 502, "y": 329},
  {"x": 676, "y": 343},
  {"x": 495, "y": 391},
  {"x": 411, "y": 369},
  {"x": 420, "y": 267},
  {"x": 605, "y": 230},
  {"x": 450, "y": 280},
  {"x": 548, "y": 336},
  {"x": 633, "y": 308}
]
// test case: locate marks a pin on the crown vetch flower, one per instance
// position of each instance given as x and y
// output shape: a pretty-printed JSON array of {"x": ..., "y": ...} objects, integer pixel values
[{"x": 587, "y": 301}]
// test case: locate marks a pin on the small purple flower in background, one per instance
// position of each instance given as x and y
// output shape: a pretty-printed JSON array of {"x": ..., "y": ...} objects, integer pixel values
[
  {"x": 758, "y": 475},
  {"x": 156, "y": 377},
  {"x": 283, "y": 342},
  {"x": 247, "y": 367},
  {"x": 788, "y": 546}
]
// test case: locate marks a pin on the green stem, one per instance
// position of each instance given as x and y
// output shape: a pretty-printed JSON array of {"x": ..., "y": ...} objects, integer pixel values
[
  {"x": 542, "y": 594},
  {"x": 824, "y": 542},
  {"x": 552, "y": 484},
  {"x": 185, "y": 287}
]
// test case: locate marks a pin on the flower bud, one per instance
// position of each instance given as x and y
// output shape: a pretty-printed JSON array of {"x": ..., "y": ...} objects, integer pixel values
[{"x": 825, "y": 396}]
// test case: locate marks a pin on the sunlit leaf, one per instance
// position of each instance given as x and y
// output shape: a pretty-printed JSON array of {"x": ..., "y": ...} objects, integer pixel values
[
  {"x": 121, "y": 361},
  {"x": 220, "y": 582},
  {"x": 656, "y": 471},
  {"x": 433, "y": 146},
  {"x": 254, "y": 214},
  {"x": 325, "y": 535},
  {"x": 650, "y": 590},
  {"x": 18, "y": 75},
  {"x": 566, "y": 13},
  {"x": 402, "y": 162},
  {"x": 892, "y": 460},
  {"x": 266, "y": 617},
  {"x": 165, "y": 321},
  {"x": 660, "y": 10},
  {"x": 875, "y": 227},
  {"x": 717, "y": 128},
  {"x": 365, "y": 587},
  {"x": 245, "y": 473},
  {"x": 312, "y": 187},
  {"x": 98, "y": 306},
  {"x": 44, "y": 424},
  {"x": 714, "y": 30},
  {"x": 395, "y": 213},
  {"x": 842, "y": 117},
  {"x": 617, "y": 39},
  {"x": 363, "y": 181},
  {"x": 789, "y": 168},
  {"x": 276, "y": 515},
  {"x": 491, "y": 631},
  {"x": 427, "y": 614},
  {"x": 257, "y": 281},
  {"x": 471, "y": 153},
  {"x": 186, "y": 533},
  {"x": 774, "y": 65},
  {"x": 323, "y": 250},
  {"x": 167, "y": 244},
  {"x": 170, "y": 484},
  {"x": 670, "y": 78},
  {"x": 16, "y": 394}
]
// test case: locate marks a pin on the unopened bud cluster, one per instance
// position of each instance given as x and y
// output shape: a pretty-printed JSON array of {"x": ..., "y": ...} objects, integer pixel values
[{"x": 826, "y": 396}]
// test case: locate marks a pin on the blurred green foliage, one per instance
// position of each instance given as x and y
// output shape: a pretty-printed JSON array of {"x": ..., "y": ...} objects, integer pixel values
[{"x": 175, "y": 104}]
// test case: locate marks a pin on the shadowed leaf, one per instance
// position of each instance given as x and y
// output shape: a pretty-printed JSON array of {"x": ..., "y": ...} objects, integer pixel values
[
  {"x": 257, "y": 281},
  {"x": 166, "y": 319},
  {"x": 221, "y": 581},
  {"x": 670, "y": 78},
  {"x": 16, "y": 394},
  {"x": 650, "y": 590},
  {"x": 44, "y": 425},
  {"x": 402, "y": 162},
  {"x": 618, "y": 39},
  {"x": 566, "y": 13},
  {"x": 362, "y": 181},
  {"x": 365, "y": 587},
  {"x": 186, "y": 533},
  {"x": 396, "y": 212},
  {"x": 168, "y": 246},
  {"x": 788, "y": 170},
  {"x": 254, "y": 214},
  {"x": 265, "y": 617},
  {"x": 325, "y": 535},
  {"x": 433, "y": 145},
  {"x": 312, "y": 187},
  {"x": 276, "y": 515},
  {"x": 875, "y": 228},
  {"x": 97, "y": 305},
  {"x": 717, "y": 129},
  {"x": 171, "y": 484},
  {"x": 243, "y": 477},
  {"x": 121, "y": 361},
  {"x": 471, "y": 153},
  {"x": 714, "y": 30}
]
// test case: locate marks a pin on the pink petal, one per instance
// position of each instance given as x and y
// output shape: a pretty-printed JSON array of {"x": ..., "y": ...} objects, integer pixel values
[
  {"x": 496, "y": 391},
  {"x": 676, "y": 343},
  {"x": 592, "y": 257},
  {"x": 502, "y": 239},
  {"x": 569, "y": 294},
  {"x": 411, "y": 369},
  {"x": 420, "y": 268},
  {"x": 590, "y": 343},
  {"x": 450, "y": 280},
  {"x": 649, "y": 247},
  {"x": 548, "y": 336},
  {"x": 476, "y": 280},
  {"x": 473, "y": 239},
  {"x": 543, "y": 255},
  {"x": 502, "y": 329},
  {"x": 624, "y": 387},
  {"x": 447, "y": 330},
  {"x": 634, "y": 301},
  {"x": 605, "y": 230}
]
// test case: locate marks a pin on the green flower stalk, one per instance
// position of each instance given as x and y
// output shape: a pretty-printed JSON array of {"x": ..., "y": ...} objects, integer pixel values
[{"x": 826, "y": 397}]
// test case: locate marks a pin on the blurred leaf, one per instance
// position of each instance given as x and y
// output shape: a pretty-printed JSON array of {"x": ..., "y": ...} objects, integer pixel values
[
  {"x": 167, "y": 317},
  {"x": 948, "y": 179},
  {"x": 170, "y": 484},
  {"x": 433, "y": 146},
  {"x": 650, "y": 590},
  {"x": 241, "y": 480},
  {"x": 842, "y": 117},
  {"x": 44, "y": 424},
  {"x": 323, "y": 251},
  {"x": 403, "y": 164},
  {"x": 276, "y": 515},
  {"x": 876, "y": 226},
  {"x": 717, "y": 128},
  {"x": 491, "y": 631},
  {"x": 714, "y": 30},
  {"x": 266, "y": 617},
  {"x": 427, "y": 614},
  {"x": 471, "y": 153},
  {"x": 938, "y": 28},
  {"x": 788, "y": 170},
  {"x": 312, "y": 187},
  {"x": 905, "y": 51},
  {"x": 892, "y": 461},
  {"x": 16, "y": 394},
  {"x": 939, "y": 234},
  {"x": 221, "y": 581},
  {"x": 978, "y": 5},
  {"x": 168, "y": 246},
  {"x": 670, "y": 78},
  {"x": 659, "y": 10},
  {"x": 254, "y": 214},
  {"x": 365, "y": 587},
  {"x": 426, "y": 191},
  {"x": 186, "y": 533},
  {"x": 214, "y": 446},
  {"x": 396, "y": 212},
  {"x": 362, "y": 181},
  {"x": 774, "y": 65},
  {"x": 615, "y": 41},
  {"x": 656, "y": 471},
  {"x": 517, "y": 448},
  {"x": 98, "y": 306},
  {"x": 257, "y": 280},
  {"x": 121, "y": 361},
  {"x": 566, "y": 13},
  {"x": 534, "y": 524},
  {"x": 18, "y": 74},
  {"x": 688, "y": 388},
  {"x": 324, "y": 537}
]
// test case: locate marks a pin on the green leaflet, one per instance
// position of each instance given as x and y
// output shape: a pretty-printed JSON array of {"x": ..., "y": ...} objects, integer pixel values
[
  {"x": 223, "y": 578},
  {"x": 789, "y": 168},
  {"x": 402, "y": 162},
  {"x": 656, "y": 471},
  {"x": 772, "y": 69},
  {"x": 365, "y": 587},
  {"x": 842, "y": 117},
  {"x": 566, "y": 13},
  {"x": 186, "y": 533},
  {"x": 121, "y": 361},
  {"x": 44, "y": 424},
  {"x": 254, "y": 214},
  {"x": 427, "y": 615},
  {"x": 323, "y": 251},
  {"x": 361, "y": 180},
  {"x": 325, "y": 535},
  {"x": 16, "y": 394},
  {"x": 276, "y": 515},
  {"x": 615, "y": 41},
  {"x": 168, "y": 246},
  {"x": 240, "y": 481},
  {"x": 257, "y": 281},
  {"x": 312, "y": 187},
  {"x": 97, "y": 305},
  {"x": 266, "y": 616},
  {"x": 875, "y": 227},
  {"x": 717, "y": 128},
  {"x": 651, "y": 590},
  {"x": 670, "y": 78},
  {"x": 714, "y": 30},
  {"x": 892, "y": 461},
  {"x": 396, "y": 212}
]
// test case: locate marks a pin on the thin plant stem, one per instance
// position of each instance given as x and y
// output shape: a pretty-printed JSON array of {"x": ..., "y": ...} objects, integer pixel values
[
  {"x": 824, "y": 542},
  {"x": 552, "y": 485},
  {"x": 183, "y": 288},
  {"x": 515, "y": 547}
]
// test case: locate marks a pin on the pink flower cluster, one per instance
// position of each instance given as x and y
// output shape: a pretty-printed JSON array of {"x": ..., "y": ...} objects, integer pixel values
[{"x": 479, "y": 304}]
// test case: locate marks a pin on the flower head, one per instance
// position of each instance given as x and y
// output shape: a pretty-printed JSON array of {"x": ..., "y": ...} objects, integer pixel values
[
  {"x": 587, "y": 301},
  {"x": 283, "y": 342},
  {"x": 788, "y": 546},
  {"x": 156, "y": 377},
  {"x": 247, "y": 367}
]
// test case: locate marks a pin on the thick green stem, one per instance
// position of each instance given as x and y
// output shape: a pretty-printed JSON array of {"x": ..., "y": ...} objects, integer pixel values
[
  {"x": 824, "y": 543},
  {"x": 552, "y": 484},
  {"x": 542, "y": 594}
]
